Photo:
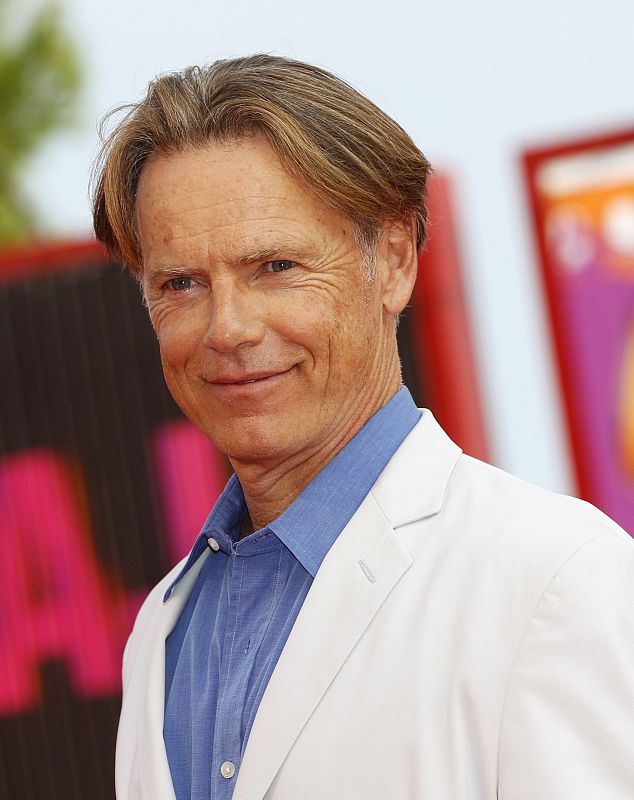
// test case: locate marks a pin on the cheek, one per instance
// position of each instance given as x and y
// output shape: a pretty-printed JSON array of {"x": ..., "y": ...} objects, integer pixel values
[
  {"x": 341, "y": 340},
  {"x": 177, "y": 352},
  {"x": 178, "y": 336},
  {"x": 356, "y": 340},
  {"x": 307, "y": 326}
]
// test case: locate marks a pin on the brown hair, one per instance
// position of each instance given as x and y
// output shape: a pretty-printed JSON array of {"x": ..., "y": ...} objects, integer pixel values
[{"x": 331, "y": 139}]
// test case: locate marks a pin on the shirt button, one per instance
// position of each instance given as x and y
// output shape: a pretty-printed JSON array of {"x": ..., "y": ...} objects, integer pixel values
[
  {"x": 215, "y": 547},
  {"x": 228, "y": 769}
]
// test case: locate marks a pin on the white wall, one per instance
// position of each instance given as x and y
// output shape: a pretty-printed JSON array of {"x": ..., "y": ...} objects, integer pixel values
[{"x": 473, "y": 82}]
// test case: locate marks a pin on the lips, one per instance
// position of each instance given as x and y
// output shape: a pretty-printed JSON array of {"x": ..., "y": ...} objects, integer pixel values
[{"x": 244, "y": 379}]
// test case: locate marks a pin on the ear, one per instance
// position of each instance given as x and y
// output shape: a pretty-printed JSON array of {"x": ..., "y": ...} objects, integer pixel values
[{"x": 396, "y": 263}]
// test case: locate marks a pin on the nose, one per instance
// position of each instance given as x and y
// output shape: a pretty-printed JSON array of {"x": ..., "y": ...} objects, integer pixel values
[{"x": 235, "y": 318}]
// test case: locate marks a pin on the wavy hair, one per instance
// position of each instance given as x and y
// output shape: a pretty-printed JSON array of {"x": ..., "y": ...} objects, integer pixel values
[{"x": 331, "y": 139}]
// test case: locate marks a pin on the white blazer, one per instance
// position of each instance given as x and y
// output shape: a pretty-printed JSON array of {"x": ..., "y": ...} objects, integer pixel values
[{"x": 469, "y": 636}]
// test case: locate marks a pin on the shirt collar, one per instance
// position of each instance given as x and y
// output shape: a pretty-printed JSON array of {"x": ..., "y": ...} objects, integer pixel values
[
  {"x": 222, "y": 524},
  {"x": 312, "y": 523}
]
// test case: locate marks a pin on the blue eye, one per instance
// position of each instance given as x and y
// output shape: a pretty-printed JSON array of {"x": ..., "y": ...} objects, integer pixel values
[
  {"x": 180, "y": 284},
  {"x": 280, "y": 265}
]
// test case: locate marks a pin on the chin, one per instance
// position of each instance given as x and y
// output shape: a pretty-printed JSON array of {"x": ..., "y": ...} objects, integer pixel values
[{"x": 249, "y": 443}]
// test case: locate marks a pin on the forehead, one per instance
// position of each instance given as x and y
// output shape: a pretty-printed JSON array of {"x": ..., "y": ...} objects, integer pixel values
[{"x": 227, "y": 196}]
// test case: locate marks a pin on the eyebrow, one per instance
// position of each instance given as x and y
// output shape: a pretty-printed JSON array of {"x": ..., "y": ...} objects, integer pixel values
[
  {"x": 167, "y": 271},
  {"x": 286, "y": 250}
]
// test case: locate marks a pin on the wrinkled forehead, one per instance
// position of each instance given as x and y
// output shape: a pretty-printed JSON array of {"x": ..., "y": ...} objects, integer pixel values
[{"x": 235, "y": 201}]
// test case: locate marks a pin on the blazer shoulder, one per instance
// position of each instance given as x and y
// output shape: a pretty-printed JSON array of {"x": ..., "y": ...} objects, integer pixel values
[
  {"x": 434, "y": 494},
  {"x": 517, "y": 511},
  {"x": 499, "y": 541}
]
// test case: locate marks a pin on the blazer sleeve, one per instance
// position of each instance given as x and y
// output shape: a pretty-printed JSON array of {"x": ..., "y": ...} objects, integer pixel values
[{"x": 567, "y": 729}]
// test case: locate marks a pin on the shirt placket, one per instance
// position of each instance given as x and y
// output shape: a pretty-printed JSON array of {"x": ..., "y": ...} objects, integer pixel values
[{"x": 226, "y": 750}]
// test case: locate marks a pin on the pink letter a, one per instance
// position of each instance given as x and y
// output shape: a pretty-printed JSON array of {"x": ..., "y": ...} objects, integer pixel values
[{"x": 55, "y": 602}]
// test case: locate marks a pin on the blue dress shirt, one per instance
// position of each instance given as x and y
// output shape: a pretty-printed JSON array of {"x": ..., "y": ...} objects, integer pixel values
[{"x": 246, "y": 598}]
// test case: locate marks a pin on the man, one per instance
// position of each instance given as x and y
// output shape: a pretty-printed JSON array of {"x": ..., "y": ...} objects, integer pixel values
[{"x": 367, "y": 612}]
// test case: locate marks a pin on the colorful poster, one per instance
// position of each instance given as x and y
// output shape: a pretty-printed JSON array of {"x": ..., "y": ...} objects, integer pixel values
[{"x": 583, "y": 206}]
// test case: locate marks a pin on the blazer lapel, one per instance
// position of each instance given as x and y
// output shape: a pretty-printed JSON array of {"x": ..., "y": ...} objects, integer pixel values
[
  {"x": 153, "y": 765},
  {"x": 357, "y": 575}
]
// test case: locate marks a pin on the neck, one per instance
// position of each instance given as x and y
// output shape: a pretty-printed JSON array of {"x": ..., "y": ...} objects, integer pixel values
[{"x": 270, "y": 488}]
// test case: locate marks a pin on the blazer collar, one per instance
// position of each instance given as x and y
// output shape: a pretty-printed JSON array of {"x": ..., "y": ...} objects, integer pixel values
[{"x": 412, "y": 486}]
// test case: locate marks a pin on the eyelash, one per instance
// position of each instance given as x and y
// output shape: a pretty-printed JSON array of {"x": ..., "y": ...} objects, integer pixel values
[
  {"x": 280, "y": 261},
  {"x": 170, "y": 284}
]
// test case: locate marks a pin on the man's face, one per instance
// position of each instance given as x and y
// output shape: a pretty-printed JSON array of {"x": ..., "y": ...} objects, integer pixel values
[{"x": 273, "y": 341}]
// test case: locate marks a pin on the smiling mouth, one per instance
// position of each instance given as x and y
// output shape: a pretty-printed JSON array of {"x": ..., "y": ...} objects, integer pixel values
[{"x": 230, "y": 380}]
